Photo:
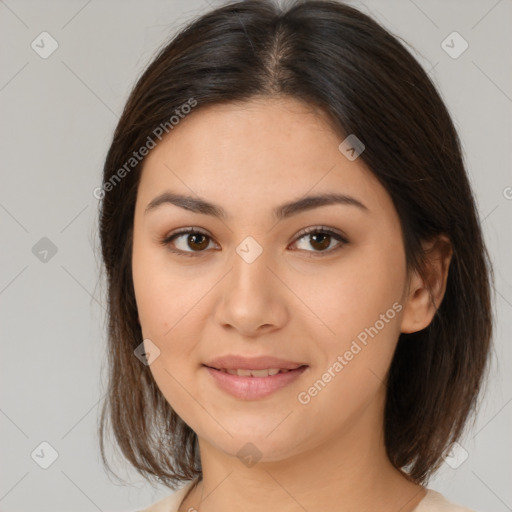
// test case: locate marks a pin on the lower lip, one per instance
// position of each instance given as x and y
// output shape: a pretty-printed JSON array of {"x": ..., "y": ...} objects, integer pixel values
[{"x": 253, "y": 388}]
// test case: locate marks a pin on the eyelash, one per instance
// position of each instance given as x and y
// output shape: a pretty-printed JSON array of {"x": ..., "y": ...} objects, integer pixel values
[{"x": 166, "y": 241}]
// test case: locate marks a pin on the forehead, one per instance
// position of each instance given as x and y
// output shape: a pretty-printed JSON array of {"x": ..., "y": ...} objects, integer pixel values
[{"x": 256, "y": 151}]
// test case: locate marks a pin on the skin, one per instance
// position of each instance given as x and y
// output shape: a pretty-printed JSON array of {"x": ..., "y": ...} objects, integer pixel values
[{"x": 294, "y": 301}]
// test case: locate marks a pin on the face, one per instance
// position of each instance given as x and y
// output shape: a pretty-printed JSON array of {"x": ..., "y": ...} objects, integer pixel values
[{"x": 252, "y": 283}]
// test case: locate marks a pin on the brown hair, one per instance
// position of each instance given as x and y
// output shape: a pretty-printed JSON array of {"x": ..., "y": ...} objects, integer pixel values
[{"x": 334, "y": 57}]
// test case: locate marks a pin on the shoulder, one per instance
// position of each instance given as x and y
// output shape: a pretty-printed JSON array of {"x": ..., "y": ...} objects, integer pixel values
[
  {"x": 436, "y": 502},
  {"x": 172, "y": 502}
]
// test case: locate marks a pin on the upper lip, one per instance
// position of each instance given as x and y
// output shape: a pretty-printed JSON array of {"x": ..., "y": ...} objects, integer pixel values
[{"x": 234, "y": 362}]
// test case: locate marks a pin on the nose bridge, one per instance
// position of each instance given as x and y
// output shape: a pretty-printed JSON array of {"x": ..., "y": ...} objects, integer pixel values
[
  {"x": 250, "y": 273},
  {"x": 250, "y": 295}
]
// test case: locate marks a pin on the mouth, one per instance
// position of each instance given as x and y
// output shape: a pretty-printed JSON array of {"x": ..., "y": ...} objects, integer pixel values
[{"x": 249, "y": 384}]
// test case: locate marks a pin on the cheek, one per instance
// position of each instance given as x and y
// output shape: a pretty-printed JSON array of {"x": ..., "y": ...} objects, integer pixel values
[
  {"x": 150, "y": 294},
  {"x": 162, "y": 296},
  {"x": 171, "y": 306},
  {"x": 360, "y": 307},
  {"x": 352, "y": 375},
  {"x": 353, "y": 295},
  {"x": 165, "y": 305}
]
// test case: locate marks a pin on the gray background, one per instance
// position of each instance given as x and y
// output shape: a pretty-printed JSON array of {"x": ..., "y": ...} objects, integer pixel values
[{"x": 58, "y": 115}]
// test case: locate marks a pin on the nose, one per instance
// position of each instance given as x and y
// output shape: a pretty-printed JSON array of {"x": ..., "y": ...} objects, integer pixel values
[{"x": 252, "y": 300}]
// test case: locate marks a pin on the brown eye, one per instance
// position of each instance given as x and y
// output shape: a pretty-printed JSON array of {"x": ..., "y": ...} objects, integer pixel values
[
  {"x": 191, "y": 242},
  {"x": 187, "y": 242},
  {"x": 197, "y": 241},
  {"x": 320, "y": 239}
]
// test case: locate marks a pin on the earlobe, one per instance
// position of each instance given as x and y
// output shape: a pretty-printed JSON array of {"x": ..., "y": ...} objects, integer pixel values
[{"x": 426, "y": 291}]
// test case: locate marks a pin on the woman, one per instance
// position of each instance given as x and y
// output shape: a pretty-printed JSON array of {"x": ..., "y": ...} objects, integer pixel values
[{"x": 298, "y": 288}]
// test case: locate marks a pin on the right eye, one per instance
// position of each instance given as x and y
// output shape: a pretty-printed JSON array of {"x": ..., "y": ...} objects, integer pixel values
[{"x": 185, "y": 242}]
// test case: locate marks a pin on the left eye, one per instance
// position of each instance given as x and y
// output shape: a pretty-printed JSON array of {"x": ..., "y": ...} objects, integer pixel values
[{"x": 319, "y": 238}]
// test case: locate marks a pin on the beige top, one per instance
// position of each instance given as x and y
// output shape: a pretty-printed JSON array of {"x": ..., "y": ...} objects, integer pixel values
[{"x": 432, "y": 502}]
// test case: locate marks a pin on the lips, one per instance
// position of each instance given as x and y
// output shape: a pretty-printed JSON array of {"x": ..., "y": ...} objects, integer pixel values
[
  {"x": 253, "y": 387},
  {"x": 253, "y": 378}
]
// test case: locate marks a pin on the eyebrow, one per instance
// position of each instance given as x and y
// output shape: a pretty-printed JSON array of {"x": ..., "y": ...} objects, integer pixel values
[{"x": 198, "y": 205}]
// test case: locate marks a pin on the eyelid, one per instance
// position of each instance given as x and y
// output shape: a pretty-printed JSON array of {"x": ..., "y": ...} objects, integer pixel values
[
  {"x": 338, "y": 235},
  {"x": 323, "y": 229}
]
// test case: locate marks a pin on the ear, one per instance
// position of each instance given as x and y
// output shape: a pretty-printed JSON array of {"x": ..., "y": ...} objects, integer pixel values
[{"x": 424, "y": 294}]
